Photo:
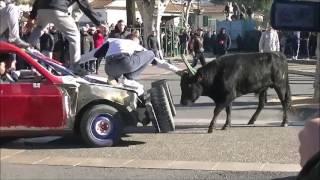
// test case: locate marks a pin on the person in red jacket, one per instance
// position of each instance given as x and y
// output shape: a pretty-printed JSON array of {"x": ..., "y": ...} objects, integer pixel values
[{"x": 98, "y": 38}]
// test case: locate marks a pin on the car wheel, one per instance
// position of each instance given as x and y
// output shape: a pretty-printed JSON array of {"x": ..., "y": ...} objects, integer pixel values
[
  {"x": 162, "y": 109},
  {"x": 168, "y": 93},
  {"x": 101, "y": 125}
]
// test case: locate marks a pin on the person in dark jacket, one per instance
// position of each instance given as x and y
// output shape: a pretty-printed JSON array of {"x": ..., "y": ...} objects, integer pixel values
[
  {"x": 59, "y": 47},
  {"x": 223, "y": 42},
  {"x": 46, "y": 43},
  {"x": 198, "y": 49},
  {"x": 183, "y": 41},
  {"x": 120, "y": 31},
  {"x": 153, "y": 43},
  {"x": 56, "y": 12}
]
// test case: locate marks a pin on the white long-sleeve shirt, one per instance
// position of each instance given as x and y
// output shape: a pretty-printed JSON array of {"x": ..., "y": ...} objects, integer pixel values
[
  {"x": 269, "y": 41},
  {"x": 129, "y": 46}
]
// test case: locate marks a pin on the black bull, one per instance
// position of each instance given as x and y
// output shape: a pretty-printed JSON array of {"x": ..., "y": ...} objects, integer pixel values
[{"x": 232, "y": 76}]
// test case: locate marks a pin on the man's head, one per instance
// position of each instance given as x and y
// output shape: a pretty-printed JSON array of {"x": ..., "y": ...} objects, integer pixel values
[
  {"x": 6, "y": 62},
  {"x": 121, "y": 25}
]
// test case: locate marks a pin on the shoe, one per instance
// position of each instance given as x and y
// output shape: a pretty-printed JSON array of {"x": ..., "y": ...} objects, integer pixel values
[
  {"x": 20, "y": 43},
  {"x": 130, "y": 83}
]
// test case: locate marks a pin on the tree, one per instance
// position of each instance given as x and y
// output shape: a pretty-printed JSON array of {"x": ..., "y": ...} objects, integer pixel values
[
  {"x": 131, "y": 12},
  {"x": 186, "y": 10},
  {"x": 151, "y": 12}
]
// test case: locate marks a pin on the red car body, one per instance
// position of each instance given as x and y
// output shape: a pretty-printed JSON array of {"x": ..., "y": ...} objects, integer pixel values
[{"x": 56, "y": 103}]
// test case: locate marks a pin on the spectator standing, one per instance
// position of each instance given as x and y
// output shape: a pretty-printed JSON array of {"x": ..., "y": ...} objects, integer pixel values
[
  {"x": 120, "y": 31},
  {"x": 59, "y": 47},
  {"x": 98, "y": 38},
  {"x": 152, "y": 44},
  {"x": 313, "y": 44},
  {"x": 183, "y": 40},
  {"x": 198, "y": 49},
  {"x": 86, "y": 41},
  {"x": 236, "y": 10},
  {"x": 213, "y": 40},
  {"x": 223, "y": 42},
  {"x": 56, "y": 12},
  {"x": 304, "y": 45},
  {"x": 46, "y": 43},
  {"x": 296, "y": 44},
  {"x": 206, "y": 41},
  {"x": 269, "y": 41}
]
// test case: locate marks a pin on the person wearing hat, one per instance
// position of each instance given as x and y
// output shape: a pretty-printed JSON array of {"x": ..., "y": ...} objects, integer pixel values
[{"x": 9, "y": 23}]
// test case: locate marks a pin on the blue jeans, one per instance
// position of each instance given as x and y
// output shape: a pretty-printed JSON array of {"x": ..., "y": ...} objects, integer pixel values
[{"x": 127, "y": 65}]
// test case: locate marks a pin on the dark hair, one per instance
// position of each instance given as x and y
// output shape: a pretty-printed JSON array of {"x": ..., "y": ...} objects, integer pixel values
[{"x": 6, "y": 56}]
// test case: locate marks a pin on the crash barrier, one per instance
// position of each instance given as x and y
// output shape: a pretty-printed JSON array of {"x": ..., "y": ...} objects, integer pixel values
[{"x": 160, "y": 107}]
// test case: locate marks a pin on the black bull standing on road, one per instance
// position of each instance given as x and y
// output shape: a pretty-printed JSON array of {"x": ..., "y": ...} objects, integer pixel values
[{"x": 232, "y": 76}]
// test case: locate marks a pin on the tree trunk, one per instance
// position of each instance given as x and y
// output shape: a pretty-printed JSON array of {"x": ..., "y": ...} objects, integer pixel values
[
  {"x": 186, "y": 11},
  {"x": 131, "y": 12},
  {"x": 316, "y": 94},
  {"x": 151, "y": 12}
]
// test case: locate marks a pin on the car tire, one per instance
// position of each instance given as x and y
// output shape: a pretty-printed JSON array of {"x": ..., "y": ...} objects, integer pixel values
[
  {"x": 168, "y": 93},
  {"x": 162, "y": 109},
  {"x": 101, "y": 126}
]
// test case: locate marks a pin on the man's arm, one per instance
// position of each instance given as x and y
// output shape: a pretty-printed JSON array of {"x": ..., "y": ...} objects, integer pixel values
[{"x": 165, "y": 65}]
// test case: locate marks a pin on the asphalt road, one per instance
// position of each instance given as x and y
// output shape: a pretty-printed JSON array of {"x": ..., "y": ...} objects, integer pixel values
[
  {"x": 32, "y": 172},
  {"x": 265, "y": 142}
]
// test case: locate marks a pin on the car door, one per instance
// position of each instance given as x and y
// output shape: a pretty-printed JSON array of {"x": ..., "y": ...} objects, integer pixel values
[{"x": 31, "y": 104}]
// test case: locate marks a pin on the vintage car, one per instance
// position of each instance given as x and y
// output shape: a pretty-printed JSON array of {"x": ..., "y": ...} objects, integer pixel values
[{"x": 49, "y": 99}]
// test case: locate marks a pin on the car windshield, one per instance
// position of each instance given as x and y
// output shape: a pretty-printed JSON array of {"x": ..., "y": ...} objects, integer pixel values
[{"x": 50, "y": 65}]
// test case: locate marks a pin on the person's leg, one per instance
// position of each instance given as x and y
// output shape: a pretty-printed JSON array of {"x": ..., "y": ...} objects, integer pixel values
[
  {"x": 68, "y": 27},
  {"x": 11, "y": 14},
  {"x": 3, "y": 21},
  {"x": 138, "y": 62}
]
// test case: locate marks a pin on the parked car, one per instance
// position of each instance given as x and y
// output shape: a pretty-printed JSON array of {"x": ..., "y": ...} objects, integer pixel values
[{"x": 51, "y": 100}]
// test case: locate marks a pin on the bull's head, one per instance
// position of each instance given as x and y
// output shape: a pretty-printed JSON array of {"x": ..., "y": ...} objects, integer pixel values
[{"x": 191, "y": 89}]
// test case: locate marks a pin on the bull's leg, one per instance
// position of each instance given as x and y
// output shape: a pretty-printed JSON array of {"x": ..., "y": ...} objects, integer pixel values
[
  {"x": 262, "y": 98},
  {"x": 217, "y": 110},
  {"x": 285, "y": 104},
  {"x": 228, "y": 120}
]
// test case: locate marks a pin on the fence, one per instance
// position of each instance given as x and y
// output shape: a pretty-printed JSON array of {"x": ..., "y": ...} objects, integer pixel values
[{"x": 169, "y": 39}]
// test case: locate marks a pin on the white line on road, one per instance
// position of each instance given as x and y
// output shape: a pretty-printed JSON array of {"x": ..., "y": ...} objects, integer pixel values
[
  {"x": 8, "y": 156},
  {"x": 36, "y": 162}
]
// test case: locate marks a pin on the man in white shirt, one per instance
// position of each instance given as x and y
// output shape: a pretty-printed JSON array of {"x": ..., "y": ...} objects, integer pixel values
[
  {"x": 269, "y": 41},
  {"x": 126, "y": 59}
]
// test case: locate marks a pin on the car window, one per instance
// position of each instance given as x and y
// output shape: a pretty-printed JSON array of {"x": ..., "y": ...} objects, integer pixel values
[{"x": 17, "y": 70}]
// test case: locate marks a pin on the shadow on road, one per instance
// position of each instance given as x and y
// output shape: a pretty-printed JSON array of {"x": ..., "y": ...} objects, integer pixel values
[{"x": 48, "y": 142}]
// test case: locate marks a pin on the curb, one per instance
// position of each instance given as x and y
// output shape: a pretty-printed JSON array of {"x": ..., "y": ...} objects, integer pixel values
[{"x": 151, "y": 164}]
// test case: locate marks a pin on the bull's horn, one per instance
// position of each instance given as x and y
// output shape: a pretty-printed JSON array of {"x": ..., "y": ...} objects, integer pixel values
[{"x": 191, "y": 69}]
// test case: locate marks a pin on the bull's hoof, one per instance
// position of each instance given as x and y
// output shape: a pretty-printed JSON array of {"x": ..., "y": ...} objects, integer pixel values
[
  {"x": 225, "y": 127},
  {"x": 210, "y": 130},
  {"x": 284, "y": 124},
  {"x": 251, "y": 122}
]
